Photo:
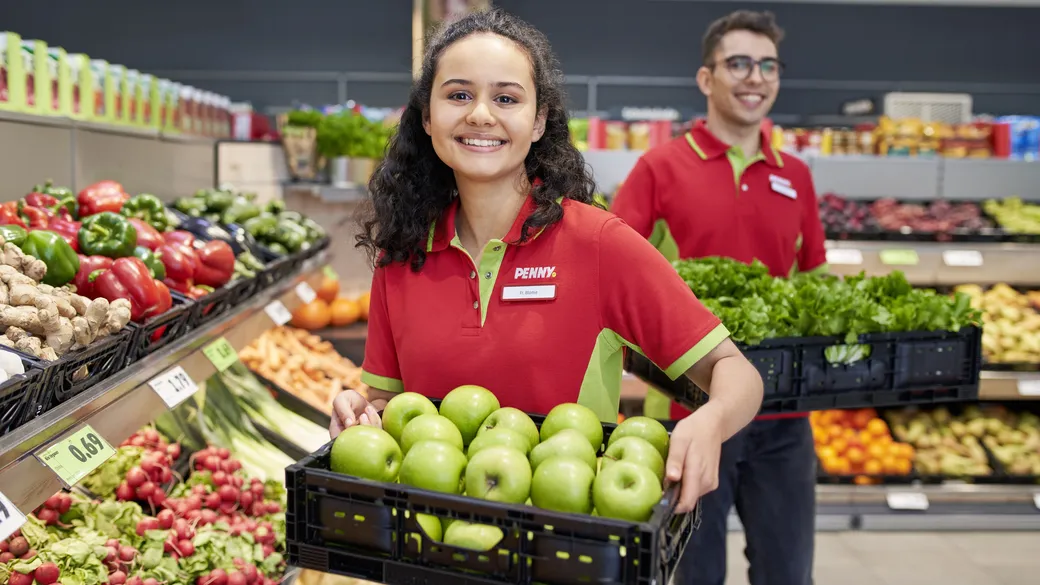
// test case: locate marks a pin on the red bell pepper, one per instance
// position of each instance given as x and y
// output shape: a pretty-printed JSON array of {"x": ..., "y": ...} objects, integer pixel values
[
  {"x": 37, "y": 218},
  {"x": 165, "y": 304},
  {"x": 129, "y": 278},
  {"x": 197, "y": 292},
  {"x": 147, "y": 236},
  {"x": 216, "y": 264},
  {"x": 183, "y": 287},
  {"x": 67, "y": 229},
  {"x": 180, "y": 237},
  {"x": 181, "y": 263},
  {"x": 87, "y": 265},
  {"x": 101, "y": 196},
  {"x": 9, "y": 215},
  {"x": 41, "y": 200}
]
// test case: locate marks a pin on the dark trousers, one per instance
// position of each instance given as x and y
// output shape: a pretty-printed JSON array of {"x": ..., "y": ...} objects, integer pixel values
[{"x": 768, "y": 472}]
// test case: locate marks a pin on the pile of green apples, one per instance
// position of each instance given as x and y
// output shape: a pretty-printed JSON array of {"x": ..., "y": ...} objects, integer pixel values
[{"x": 473, "y": 446}]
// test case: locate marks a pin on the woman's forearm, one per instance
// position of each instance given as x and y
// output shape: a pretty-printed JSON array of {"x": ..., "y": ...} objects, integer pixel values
[{"x": 735, "y": 390}]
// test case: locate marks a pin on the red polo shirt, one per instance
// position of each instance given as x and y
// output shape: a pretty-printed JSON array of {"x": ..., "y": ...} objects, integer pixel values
[
  {"x": 539, "y": 323},
  {"x": 697, "y": 196}
]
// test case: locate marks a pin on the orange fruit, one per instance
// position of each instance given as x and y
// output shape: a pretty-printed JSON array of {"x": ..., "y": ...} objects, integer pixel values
[
  {"x": 620, "y": 418},
  {"x": 842, "y": 466},
  {"x": 876, "y": 451},
  {"x": 877, "y": 427},
  {"x": 840, "y": 446},
  {"x": 850, "y": 434},
  {"x": 329, "y": 289},
  {"x": 313, "y": 315},
  {"x": 872, "y": 467},
  {"x": 827, "y": 452},
  {"x": 344, "y": 312},
  {"x": 856, "y": 455},
  {"x": 819, "y": 436},
  {"x": 363, "y": 302},
  {"x": 902, "y": 466},
  {"x": 863, "y": 480},
  {"x": 835, "y": 431},
  {"x": 861, "y": 418},
  {"x": 890, "y": 464}
]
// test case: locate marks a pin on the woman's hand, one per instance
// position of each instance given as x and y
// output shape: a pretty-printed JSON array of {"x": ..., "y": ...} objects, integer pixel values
[
  {"x": 351, "y": 408},
  {"x": 693, "y": 457}
]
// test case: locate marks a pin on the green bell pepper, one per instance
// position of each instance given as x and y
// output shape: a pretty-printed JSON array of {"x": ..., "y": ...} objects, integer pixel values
[
  {"x": 107, "y": 234},
  {"x": 13, "y": 233},
  {"x": 147, "y": 208},
  {"x": 219, "y": 201},
  {"x": 251, "y": 262},
  {"x": 240, "y": 211},
  {"x": 291, "y": 216},
  {"x": 192, "y": 206},
  {"x": 275, "y": 206},
  {"x": 261, "y": 226},
  {"x": 277, "y": 248},
  {"x": 289, "y": 234},
  {"x": 61, "y": 260},
  {"x": 48, "y": 188},
  {"x": 314, "y": 231},
  {"x": 152, "y": 261},
  {"x": 242, "y": 271}
]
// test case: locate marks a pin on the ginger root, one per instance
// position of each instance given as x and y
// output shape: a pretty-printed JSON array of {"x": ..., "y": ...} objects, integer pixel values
[
  {"x": 117, "y": 318},
  {"x": 28, "y": 265}
]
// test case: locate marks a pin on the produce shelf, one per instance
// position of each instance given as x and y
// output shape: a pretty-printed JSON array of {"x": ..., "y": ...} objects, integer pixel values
[
  {"x": 329, "y": 193},
  {"x": 938, "y": 264},
  {"x": 119, "y": 406}
]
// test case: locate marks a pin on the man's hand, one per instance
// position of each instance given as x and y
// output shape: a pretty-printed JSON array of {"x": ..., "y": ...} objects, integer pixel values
[
  {"x": 693, "y": 457},
  {"x": 350, "y": 408}
]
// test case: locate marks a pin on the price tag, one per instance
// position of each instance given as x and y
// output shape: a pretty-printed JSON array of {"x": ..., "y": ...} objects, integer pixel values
[
  {"x": 844, "y": 256},
  {"x": 899, "y": 257},
  {"x": 907, "y": 501},
  {"x": 305, "y": 292},
  {"x": 173, "y": 386},
  {"x": 278, "y": 313},
  {"x": 1029, "y": 387},
  {"x": 11, "y": 518},
  {"x": 330, "y": 273},
  {"x": 75, "y": 456},
  {"x": 221, "y": 353},
  {"x": 962, "y": 258}
]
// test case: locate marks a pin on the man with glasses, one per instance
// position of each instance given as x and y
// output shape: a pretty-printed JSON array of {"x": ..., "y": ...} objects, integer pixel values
[{"x": 723, "y": 190}]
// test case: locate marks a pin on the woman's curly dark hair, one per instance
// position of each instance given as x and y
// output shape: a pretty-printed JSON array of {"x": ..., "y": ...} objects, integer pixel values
[{"x": 412, "y": 187}]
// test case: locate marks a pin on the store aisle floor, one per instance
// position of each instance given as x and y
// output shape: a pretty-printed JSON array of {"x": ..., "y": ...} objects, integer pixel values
[{"x": 927, "y": 558}]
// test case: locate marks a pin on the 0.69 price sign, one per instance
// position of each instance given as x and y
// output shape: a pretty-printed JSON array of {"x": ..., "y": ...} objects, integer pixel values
[{"x": 75, "y": 456}]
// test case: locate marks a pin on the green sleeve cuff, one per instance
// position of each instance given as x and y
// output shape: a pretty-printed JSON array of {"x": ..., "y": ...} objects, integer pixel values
[
  {"x": 821, "y": 269},
  {"x": 382, "y": 382},
  {"x": 694, "y": 355}
]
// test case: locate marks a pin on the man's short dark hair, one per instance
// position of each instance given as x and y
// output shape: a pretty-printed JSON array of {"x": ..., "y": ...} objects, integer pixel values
[{"x": 763, "y": 23}]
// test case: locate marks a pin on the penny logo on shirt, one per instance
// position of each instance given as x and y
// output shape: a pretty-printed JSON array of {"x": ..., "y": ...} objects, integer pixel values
[{"x": 535, "y": 272}]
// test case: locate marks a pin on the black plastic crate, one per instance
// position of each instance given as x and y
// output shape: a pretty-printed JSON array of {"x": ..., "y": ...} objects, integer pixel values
[
  {"x": 365, "y": 529},
  {"x": 159, "y": 331},
  {"x": 244, "y": 289},
  {"x": 917, "y": 367},
  {"x": 77, "y": 371},
  {"x": 211, "y": 307},
  {"x": 20, "y": 394}
]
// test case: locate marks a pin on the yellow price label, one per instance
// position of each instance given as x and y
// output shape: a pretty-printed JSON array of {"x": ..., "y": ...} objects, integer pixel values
[
  {"x": 330, "y": 273},
  {"x": 221, "y": 354},
  {"x": 78, "y": 454},
  {"x": 900, "y": 257}
]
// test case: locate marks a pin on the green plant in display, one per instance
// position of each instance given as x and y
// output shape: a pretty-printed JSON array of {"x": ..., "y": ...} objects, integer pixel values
[
  {"x": 305, "y": 118},
  {"x": 755, "y": 306}
]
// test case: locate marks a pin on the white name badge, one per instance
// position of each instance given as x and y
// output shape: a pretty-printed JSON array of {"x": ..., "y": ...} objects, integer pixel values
[
  {"x": 784, "y": 190},
  {"x": 781, "y": 180},
  {"x": 534, "y": 292}
]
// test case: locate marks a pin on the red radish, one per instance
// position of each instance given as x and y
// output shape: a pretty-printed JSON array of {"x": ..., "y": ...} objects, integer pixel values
[
  {"x": 151, "y": 581},
  {"x": 124, "y": 492},
  {"x": 54, "y": 501},
  {"x": 151, "y": 435},
  {"x": 169, "y": 546},
  {"x": 112, "y": 542},
  {"x": 228, "y": 493},
  {"x": 257, "y": 489},
  {"x": 111, "y": 554},
  {"x": 66, "y": 503},
  {"x": 246, "y": 499},
  {"x": 4, "y": 546},
  {"x": 6, "y": 557},
  {"x": 135, "y": 580},
  {"x": 211, "y": 463},
  {"x": 127, "y": 553},
  {"x": 117, "y": 578},
  {"x": 208, "y": 517},
  {"x": 213, "y": 501},
  {"x": 183, "y": 529},
  {"x": 136, "y": 476},
  {"x": 194, "y": 501},
  {"x": 165, "y": 518},
  {"x": 19, "y": 546},
  {"x": 17, "y": 578},
  {"x": 145, "y": 490},
  {"x": 217, "y": 577},
  {"x": 166, "y": 476},
  {"x": 198, "y": 489},
  {"x": 219, "y": 478},
  {"x": 174, "y": 451},
  {"x": 223, "y": 453},
  {"x": 268, "y": 550},
  {"x": 48, "y": 516},
  {"x": 46, "y": 573},
  {"x": 158, "y": 497},
  {"x": 193, "y": 515},
  {"x": 236, "y": 578},
  {"x": 186, "y": 548},
  {"x": 28, "y": 555},
  {"x": 137, "y": 442},
  {"x": 273, "y": 507},
  {"x": 146, "y": 524}
]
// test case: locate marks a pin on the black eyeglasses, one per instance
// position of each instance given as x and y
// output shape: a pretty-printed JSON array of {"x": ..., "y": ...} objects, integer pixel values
[{"x": 741, "y": 67}]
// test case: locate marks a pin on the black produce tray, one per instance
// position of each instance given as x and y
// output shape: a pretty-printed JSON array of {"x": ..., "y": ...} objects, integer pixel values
[
  {"x": 21, "y": 394},
  {"x": 1012, "y": 367},
  {"x": 157, "y": 332},
  {"x": 349, "y": 526},
  {"x": 212, "y": 306},
  {"x": 917, "y": 367},
  {"x": 77, "y": 371}
]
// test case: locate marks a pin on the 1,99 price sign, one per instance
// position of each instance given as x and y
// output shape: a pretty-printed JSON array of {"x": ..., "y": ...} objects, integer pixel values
[{"x": 75, "y": 456}]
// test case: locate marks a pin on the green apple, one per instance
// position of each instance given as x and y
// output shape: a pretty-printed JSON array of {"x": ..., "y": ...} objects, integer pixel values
[
  {"x": 514, "y": 419},
  {"x": 467, "y": 407},
  {"x": 499, "y": 474},
  {"x": 478, "y": 537},
  {"x": 573, "y": 416},
  {"x": 367, "y": 452},
  {"x": 626, "y": 491},
  {"x": 429, "y": 427},
  {"x": 635, "y": 450},
  {"x": 563, "y": 484},
  {"x": 402, "y": 409},
  {"x": 431, "y": 525},
  {"x": 434, "y": 465},
  {"x": 499, "y": 437},
  {"x": 566, "y": 443},
  {"x": 640, "y": 426}
]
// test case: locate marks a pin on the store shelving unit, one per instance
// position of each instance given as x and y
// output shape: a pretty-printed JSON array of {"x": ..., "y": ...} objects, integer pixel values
[
  {"x": 328, "y": 193},
  {"x": 939, "y": 263},
  {"x": 117, "y": 407}
]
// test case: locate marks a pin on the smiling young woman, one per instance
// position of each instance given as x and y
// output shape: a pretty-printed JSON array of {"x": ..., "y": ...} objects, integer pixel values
[{"x": 493, "y": 268}]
